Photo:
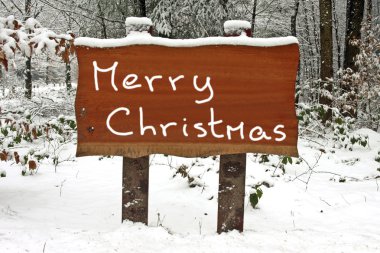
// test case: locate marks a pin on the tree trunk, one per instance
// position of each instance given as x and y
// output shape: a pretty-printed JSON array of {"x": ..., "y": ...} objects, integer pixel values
[
  {"x": 311, "y": 59},
  {"x": 355, "y": 12},
  {"x": 28, "y": 63},
  {"x": 102, "y": 22},
  {"x": 337, "y": 40},
  {"x": 47, "y": 74},
  {"x": 2, "y": 81},
  {"x": 293, "y": 28},
  {"x": 142, "y": 8},
  {"x": 224, "y": 4},
  {"x": 28, "y": 77},
  {"x": 369, "y": 12},
  {"x": 293, "y": 19},
  {"x": 327, "y": 71},
  {"x": 254, "y": 16},
  {"x": 68, "y": 75},
  {"x": 28, "y": 7},
  {"x": 316, "y": 39}
]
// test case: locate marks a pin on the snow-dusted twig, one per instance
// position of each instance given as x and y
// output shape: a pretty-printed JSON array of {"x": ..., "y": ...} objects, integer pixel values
[
  {"x": 60, "y": 188},
  {"x": 310, "y": 170}
]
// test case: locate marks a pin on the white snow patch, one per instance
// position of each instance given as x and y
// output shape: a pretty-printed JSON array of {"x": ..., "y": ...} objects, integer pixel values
[
  {"x": 137, "y": 24},
  {"x": 236, "y": 24},
  {"x": 32, "y": 24},
  {"x": 138, "y": 21}
]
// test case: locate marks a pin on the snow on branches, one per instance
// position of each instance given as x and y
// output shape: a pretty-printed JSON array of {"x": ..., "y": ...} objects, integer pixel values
[
  {"x": 59, "y": 44},
  {"x": 10, "y": 38},
  {"x": 365, "y": 82},
  {"x": 31, "y": 38}
]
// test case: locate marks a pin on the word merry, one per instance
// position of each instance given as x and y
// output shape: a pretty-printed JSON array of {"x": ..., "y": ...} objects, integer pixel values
[{"x": 131, "y": 81}]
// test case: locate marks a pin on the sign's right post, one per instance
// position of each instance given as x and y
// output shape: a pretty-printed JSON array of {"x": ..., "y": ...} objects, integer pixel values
[
  {"x": 231, "y": 192},
  {"x": 232, "y": 168}
]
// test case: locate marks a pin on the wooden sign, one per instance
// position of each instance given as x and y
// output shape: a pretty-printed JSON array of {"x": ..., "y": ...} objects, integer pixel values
[{"x": 186, "y": 99}]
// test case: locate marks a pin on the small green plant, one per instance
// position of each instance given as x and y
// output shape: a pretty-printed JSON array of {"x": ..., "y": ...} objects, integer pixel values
[
  {"x": 255, "y": 196},
  {"x": 311, "y": 123},
  {"x": 342, "y": 136},
  {"x": 377, "y": 158},
  {"x": 264, "y": 159},
  {"x": 286, "y": 159},
  {"x": 3, "y": 173},
  {"x": 342, "y": 180},
  {"x": 183, "y": 171}
]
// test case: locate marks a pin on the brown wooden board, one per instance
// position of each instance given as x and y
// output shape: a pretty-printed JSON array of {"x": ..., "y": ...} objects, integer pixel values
[{"x": 253, "y": 85}]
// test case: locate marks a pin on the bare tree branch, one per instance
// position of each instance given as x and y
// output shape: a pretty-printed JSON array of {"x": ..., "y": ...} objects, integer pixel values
[{"x": 16, "y": 6}]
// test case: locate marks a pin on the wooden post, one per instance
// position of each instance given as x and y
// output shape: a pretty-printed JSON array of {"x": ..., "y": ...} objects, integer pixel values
[
  {"x": 232, "y": 170},
  {"x": 135, "y": 189},
  {"x": 231, "y": 192}
]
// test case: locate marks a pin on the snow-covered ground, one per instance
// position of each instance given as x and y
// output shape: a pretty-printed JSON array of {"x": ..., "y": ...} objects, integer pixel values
[
  {"x": 78, "y": 208},
  {"x": 329, "y": 203}
]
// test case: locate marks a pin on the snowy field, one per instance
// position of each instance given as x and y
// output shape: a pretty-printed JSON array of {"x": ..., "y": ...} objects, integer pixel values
[{"x": 329, "y": 203}]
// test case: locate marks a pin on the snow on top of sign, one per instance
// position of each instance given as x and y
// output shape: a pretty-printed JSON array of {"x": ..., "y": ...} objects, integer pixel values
[
  {"x": 236, "y": 24},
  {"x": 138, "y": 21},
  {"x": 147, "y": 39}
]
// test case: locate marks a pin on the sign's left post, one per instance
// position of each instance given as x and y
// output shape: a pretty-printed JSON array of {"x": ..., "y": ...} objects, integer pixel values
[
  {"x": 135, "y": 189},
  {"x": 135, "y": 181}
]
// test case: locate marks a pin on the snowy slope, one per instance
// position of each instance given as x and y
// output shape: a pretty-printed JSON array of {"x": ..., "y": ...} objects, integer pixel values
[{"x": 78, "y": 208}]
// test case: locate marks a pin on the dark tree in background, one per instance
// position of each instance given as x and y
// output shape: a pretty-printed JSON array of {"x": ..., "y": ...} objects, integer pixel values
[
  {"x": 327, "y": 69},
  {"x": 354, "y": 18},
  {"x": 293, "y": 29},
  {"x": 293, "y": 19},
  {"x": 142, "y": 8},
  {"x": 355, "y": 12},
  {"x": 253, "y": 21},
  {"x": 28, "y": 63}
]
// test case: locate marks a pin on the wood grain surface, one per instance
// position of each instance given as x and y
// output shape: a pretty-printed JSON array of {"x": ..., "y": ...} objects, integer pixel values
[{"x": 253, "y": 85}]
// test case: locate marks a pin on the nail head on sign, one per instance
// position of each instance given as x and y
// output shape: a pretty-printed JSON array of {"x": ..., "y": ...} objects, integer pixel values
[
  {"x": 83, "y": 112},
  {"x": 91, "y": 129}
]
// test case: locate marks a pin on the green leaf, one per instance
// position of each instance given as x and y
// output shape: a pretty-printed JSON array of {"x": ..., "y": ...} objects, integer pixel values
[
  {"x": 17, "y": 139},
  {"x": 264, "y": 159},
  {"x": 339, "y": 121},
  {"x": 259, "y": 193},
  {"x": 26, "y": 159},
  {"x": 71, "y": 124},
  {"x": 4, "y": 131},
  {"x": 253, "y": 199}
]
